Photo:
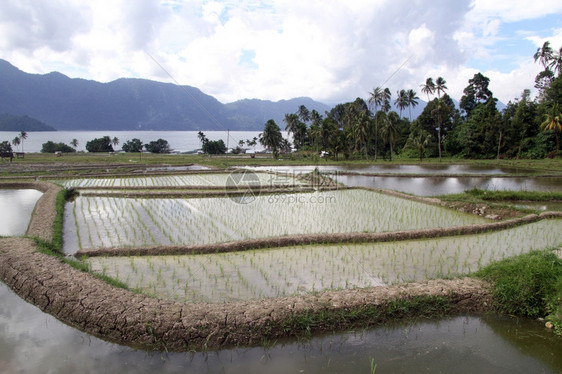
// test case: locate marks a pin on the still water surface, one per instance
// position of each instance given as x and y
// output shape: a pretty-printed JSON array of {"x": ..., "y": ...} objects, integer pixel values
[
  {"x": 34, "y": 342},
  {"x": 16, "y": 207},
  {"x": 395, "y": 169},
  {"x": 429, "y": 185}
]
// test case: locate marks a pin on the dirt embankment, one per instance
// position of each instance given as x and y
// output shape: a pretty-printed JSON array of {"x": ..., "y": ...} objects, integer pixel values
[
  {"x": 92, "y": 305},
  {"x": 44, "y": 213}
]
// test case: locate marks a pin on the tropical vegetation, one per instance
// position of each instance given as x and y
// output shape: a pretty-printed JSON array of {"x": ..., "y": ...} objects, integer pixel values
[{"x": 474, "y": 128}]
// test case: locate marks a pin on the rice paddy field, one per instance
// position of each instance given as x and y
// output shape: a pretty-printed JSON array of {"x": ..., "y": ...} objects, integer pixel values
[
  {"x": 98, "y": 222},
  {"x": 289, "y": 271},
  {"x": 92, "y": 221},
  {"x": 207, "y": 179}
]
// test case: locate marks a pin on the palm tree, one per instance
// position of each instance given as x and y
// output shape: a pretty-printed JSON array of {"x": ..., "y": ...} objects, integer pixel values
[
  {"x": 440, "y": 86},
  {"x": 74, "y": 143},
  {"x": 428, "y": 88},
  {"x": 115, "y": 141},
  {"x": 16, "y": 142},
  {"x": 419, "y": 142},
  {"x": 271, "y": 137},
  {"x": 544, "y": 55},
  {"x": 304, "y": 113},
  {"x": 412, "y": 101},
  {"x": 556, "y": 62},
  {"x": 553, "y": 122},
  {"x": 291, "y": 120},
  {"x": 360, "y": 130},
  {"x": 401, "y": 100},
  {"x": 23, "y": 136},
  {"x": 389, "y": 131},
  {"x": 378, "y": 97}
]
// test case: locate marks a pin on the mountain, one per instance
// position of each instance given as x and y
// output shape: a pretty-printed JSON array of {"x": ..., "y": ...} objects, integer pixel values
[
  {"x": 256, "y": 113},
  {"x": 131, "y": 104},
  {"x": 22, "y": 123}
]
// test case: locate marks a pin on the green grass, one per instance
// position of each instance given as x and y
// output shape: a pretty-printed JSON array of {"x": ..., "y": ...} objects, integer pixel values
[
  {"x": 477, "y": 196},
  {"x": 529, "y": 285},
  {"x": 135, "y": 160},
  {"x": 54, "y": 247},
  {"x": 302, "y": 325}
]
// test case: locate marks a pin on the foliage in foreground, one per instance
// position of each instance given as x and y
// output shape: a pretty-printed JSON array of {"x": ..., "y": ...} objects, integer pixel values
[{"x": 529, "y": 285}]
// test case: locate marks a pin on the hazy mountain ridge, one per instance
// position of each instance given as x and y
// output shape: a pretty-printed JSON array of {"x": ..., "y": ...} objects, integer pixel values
[
  {"x": 22, "y": 123},
  {"x": 131, "y": 104}
]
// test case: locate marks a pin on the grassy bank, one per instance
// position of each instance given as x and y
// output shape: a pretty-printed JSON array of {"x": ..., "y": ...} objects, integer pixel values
[
  {"x": 479, "y": 196},
  {"x": 529, "y": 285},
  {"x": 128, "y": 160}
]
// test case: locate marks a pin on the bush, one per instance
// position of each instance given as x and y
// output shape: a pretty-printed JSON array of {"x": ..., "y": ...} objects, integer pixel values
[
  {"x": 5, "y": 147},
  {"x": 134, "y": 145},
  {"x": 214, "y": 147},
  {"x": 526, "y": 285},
  {"x": 52, "y": 147},
  {"x": 159, "y": 146},
  {"x": 99, "y": 145}
]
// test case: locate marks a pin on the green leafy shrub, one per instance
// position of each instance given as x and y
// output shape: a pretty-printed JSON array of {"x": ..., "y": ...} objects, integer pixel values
[{"x": 526, "y": 285}]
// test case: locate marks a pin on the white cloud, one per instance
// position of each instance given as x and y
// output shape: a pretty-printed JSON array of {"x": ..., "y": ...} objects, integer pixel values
[{"x": 331, "y": 50}]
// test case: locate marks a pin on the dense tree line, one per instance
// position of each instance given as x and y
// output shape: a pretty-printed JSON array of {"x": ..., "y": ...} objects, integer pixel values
[{"x": 526, "y": 128}]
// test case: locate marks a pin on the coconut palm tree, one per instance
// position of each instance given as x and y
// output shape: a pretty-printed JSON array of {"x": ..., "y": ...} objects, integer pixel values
[
  {"x": 377, "y": 98},
  {"x": 389, "y": 130},
  {"x": 556, "y": 62},
  {"x": 291, "y": 119},
  {"x": 115, "y": 141},
  {"x": 360, "y": 131},
  {"x": 271, "y": 137},
  {"x": 553, "y": 122},
  {"x": 419, "y": 142},
  {"x": 440, "y": 86},
  {"x": 23, "y": 136},
  {"x": 401, "y": 100},
  {"x": 412, "y": 101},
  {"x": 16, "y": 142},
  {"x": 544, "y": 55},
  {"x": 428, "y": 88},
  {"x": 74, "y": 143},
  {"x": 304, "y": 113}
]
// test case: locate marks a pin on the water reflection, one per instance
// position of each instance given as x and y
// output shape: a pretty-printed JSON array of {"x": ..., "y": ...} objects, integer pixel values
[
  {"x": 34, "y": 342},
  {"x": 431, "y": 186},
  {"x": 16, "y": 207},
  {"x": 396, "y": 169}
]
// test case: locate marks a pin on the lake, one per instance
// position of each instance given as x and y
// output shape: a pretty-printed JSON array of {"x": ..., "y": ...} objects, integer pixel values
[{"x": 180, "y": 141}]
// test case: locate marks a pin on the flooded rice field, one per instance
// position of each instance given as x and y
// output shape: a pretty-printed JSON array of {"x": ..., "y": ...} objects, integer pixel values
[
  {"x": 288, "y": 271},
  {"x": 434, "y": 186},
  {"x": 95, "y": 222}
]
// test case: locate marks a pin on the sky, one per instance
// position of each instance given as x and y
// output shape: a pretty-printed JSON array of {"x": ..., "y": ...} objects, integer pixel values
[{"x": 330, "y": 50}]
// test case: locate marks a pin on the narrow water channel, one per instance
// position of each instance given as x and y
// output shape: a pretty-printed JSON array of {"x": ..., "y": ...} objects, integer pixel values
[
  {"x": 16, "y": 207},
  {"x": 34, "y": 342}
]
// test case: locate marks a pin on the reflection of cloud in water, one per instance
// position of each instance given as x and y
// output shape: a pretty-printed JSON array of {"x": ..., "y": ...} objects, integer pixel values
[
  {"x": 16, "y": 207},
  {"x": 34, "y": 342}
]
